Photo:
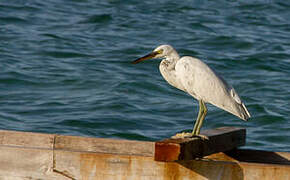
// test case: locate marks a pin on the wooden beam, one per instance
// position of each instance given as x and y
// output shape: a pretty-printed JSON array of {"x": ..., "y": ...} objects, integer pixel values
[
  {"x": 102, "y": 145},
  {"x": 25, "y": 155},
  {"x": 219, "y": 140},
  {"x": 28, "y": 163},
  {"x": 87, "y": 166}
]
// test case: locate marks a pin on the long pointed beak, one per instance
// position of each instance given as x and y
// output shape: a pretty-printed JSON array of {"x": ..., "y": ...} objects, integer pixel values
[{"x": 148, "y": 56}]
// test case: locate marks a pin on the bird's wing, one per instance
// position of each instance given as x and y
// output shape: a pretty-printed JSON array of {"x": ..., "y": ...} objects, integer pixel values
[
  {"x": 199, "y": 80},
  {"x": 203, "y": 83}
]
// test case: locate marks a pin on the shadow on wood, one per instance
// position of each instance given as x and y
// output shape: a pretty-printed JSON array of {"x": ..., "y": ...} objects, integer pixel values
[
  {"x": 255, "y": 156},
  {"x": 210, "y": 169}
]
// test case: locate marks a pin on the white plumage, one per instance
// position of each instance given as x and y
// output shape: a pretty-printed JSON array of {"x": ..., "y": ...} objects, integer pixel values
[{"x": 196, "y": 78}]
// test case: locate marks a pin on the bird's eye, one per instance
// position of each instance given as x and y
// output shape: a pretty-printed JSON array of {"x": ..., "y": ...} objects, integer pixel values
[{"x": 160, "y": 51}]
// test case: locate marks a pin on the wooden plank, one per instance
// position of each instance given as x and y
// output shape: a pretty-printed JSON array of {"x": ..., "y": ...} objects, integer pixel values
[
  {"x": 88, "y": 166},
  {"x": 220, "y": 139},
  {"x": 26, "y": 139},
  {"x": 21, "y": 157},
  {"x": 75, "y": 143},
  {"x": 101, "y": 145},
  {"x": 27, "y": 163}
]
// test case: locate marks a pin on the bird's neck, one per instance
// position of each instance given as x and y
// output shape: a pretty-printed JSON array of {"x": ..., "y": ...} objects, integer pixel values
[{"x": 172, "y": 58}]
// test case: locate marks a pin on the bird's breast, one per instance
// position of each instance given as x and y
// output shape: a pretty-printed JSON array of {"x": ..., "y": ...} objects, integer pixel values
[{"x": 168, "y": 72}]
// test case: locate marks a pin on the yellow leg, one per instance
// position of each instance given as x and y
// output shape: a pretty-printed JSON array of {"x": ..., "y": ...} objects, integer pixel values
[
  {"x": 201, "y": 118},
  {"x": 197, "y": 126},
  {"x": 200, "y": 112}
]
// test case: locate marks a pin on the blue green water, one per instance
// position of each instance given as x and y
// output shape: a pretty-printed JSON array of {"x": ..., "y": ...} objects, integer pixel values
[{"x": 65, "y": 66}]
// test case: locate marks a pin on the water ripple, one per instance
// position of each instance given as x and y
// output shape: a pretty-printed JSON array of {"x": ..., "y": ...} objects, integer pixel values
[{"x": 65, "y": 67}]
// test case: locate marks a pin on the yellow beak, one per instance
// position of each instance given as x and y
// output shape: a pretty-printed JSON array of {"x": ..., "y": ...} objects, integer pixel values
[{"x": 148, "y": 56}]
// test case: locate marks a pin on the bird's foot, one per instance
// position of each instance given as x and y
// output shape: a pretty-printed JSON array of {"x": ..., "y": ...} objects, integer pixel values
[
  {"x": 189, "y": 135},
  {"x": 182, "y": 135},
  {"x": 202, "y": 137}
]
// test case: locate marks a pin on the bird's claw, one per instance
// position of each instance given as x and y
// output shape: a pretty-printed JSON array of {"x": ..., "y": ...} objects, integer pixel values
[
  {"x": 182, "y": 135},
  {"x": 189, "y": 135},
  {"x": 202, "y": 137}
]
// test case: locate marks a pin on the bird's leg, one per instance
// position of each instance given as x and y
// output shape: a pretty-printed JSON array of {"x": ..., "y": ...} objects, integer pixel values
[
  {"x": 189, "y": 135},
  {"x": 201, "y": 115},
  {"x": 198, "y": 123},
  {"x": 194, "y": 131}
]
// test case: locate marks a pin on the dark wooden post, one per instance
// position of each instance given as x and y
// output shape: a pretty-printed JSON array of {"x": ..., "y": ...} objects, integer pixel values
[{"x": 219, "y": 140}]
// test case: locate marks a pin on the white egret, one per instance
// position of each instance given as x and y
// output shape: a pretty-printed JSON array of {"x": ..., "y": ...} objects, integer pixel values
[{"x": 194, "y": 77}]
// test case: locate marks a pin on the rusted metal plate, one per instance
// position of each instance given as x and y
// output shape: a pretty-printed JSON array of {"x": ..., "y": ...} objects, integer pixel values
[{"x": 219, "y": 140}]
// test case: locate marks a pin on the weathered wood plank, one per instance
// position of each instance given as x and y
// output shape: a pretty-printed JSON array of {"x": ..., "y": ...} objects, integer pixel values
[
  {"x": 26, "y": 139},
  {"x": 27, "y": 163},
  {"x": 219, "y": 140},
  {"x": 33, "y": 156},
  {"x": 76, "y": 143},
  {"x": 101, "y": 145},
  {"x": 88, "y": 166}
]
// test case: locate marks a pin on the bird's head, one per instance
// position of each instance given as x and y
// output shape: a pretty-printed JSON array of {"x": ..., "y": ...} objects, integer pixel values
[{"x": 159, "y": 52}]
